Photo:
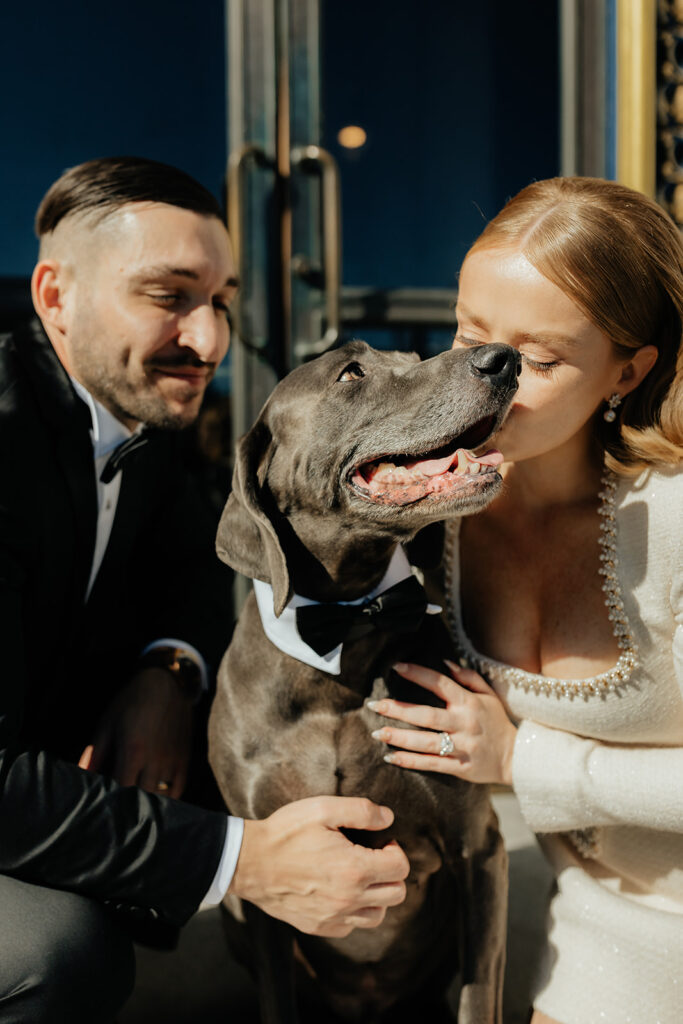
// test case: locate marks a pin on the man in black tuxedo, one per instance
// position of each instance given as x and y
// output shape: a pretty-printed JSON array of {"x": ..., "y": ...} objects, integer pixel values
[{"x": 114, "y": 611}]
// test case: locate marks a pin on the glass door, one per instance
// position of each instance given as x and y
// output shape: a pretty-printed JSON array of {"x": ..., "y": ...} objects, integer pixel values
[
  {"x": 398, "y": 125},
  {"x": 283, "y": 197}
]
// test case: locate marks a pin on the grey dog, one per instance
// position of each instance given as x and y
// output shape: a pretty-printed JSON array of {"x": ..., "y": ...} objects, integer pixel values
[{"x": 352, "y": 454}]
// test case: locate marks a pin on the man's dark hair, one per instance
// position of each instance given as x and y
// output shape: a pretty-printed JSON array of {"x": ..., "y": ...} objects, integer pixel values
[{"x": 111, "y": 182}]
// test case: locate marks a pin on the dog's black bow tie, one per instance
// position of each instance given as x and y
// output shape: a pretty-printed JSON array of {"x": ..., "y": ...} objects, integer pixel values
[
  {"x": 400, "y": 608},
  {"x": 129, "y": 449}
]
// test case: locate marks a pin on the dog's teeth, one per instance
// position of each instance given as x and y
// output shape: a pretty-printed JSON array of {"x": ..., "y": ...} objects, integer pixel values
[
  {"x": 463, "y": 462},
  {"x": 388, "y": 473},
  {"x": 383, "y": 470},
  {"x": 473, "y": 468}
]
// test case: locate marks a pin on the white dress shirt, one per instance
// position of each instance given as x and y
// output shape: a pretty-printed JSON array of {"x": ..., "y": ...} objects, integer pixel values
[
  {"x": 283, "y": 631},
  {"x": 107, "y": 433}
]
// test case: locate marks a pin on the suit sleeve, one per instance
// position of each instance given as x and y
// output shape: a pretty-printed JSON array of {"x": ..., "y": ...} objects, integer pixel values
[{"x": 66, "y": 828}]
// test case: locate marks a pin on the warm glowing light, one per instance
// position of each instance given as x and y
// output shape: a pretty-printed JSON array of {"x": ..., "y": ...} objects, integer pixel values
[{"x": 352, "y": 137}]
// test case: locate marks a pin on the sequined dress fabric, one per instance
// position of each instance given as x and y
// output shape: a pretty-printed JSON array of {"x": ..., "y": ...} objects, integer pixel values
[{"x": 598, "y": 772}]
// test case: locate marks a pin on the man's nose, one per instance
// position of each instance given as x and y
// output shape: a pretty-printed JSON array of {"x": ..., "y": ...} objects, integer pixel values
[{"x": 205, "y": 332}]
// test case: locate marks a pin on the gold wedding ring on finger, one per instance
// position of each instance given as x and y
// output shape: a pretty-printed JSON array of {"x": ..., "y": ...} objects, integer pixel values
[
  {"x": 447, "y": 746},
  {"x": 163, "y": 787}
]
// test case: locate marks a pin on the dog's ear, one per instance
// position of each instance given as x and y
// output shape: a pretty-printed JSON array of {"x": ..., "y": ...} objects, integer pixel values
[{"x": 247, "y": 539}]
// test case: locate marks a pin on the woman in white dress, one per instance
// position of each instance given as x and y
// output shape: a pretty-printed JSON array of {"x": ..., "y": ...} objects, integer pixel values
[{"x": 566, "y": 594}]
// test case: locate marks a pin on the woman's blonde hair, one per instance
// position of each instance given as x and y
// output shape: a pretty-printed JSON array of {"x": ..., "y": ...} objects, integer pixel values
[{"x": 619, "y": 257}]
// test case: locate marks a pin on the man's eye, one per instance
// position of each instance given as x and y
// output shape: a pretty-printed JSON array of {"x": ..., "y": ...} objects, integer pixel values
[
  {"x": 165, "y": 298},
  {"x": 223, "y": 308},
  {"x": 354, "y": 371},
  {"x": 460, "y": 339}
]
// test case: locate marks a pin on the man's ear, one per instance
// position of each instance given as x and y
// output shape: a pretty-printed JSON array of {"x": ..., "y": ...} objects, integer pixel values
[
  {"x": 247, "y": 539},
  {"x": 48, "y": 291},
  {"x": 636, "y": 369}
]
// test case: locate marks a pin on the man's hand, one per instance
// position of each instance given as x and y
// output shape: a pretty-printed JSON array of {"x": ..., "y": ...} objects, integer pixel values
[
  {"x": 296, "y": 865},
  {"x": 145, "y": 736}
]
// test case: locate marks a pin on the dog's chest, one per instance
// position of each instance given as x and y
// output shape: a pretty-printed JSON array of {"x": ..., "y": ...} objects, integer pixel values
[
  {"x": 316, "y": 746},
  {"x": 320, "y": 743},
  {"x": 283, "y": 730}
]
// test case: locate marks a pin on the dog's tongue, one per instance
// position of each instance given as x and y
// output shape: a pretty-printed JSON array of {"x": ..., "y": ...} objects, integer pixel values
[
  {"x": 490, "y": 458},
  {"x": 432, "y": 467},
  {"x": 435, "y": 467}
]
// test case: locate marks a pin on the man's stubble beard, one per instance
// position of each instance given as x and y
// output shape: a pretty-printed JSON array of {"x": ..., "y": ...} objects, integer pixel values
[
  {"x": 127, "y": 403},
  {"x": 112, "y": 388}
]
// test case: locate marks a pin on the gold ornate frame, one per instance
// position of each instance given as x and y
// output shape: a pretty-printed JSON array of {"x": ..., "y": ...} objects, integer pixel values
[{"x": 637, "y": 94}]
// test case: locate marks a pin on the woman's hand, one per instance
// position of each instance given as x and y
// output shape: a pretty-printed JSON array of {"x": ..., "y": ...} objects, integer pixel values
[{"x": 474, "y": 718}]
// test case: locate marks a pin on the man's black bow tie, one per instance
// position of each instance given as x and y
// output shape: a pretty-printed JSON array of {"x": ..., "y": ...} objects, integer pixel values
[
  {"x": 127, "y": 450},
  {"x": 401, "y": 608}
]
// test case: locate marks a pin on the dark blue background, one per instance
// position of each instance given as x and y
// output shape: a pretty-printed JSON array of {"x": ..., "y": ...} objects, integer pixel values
[
  {"x": 80, "y": 80},
  {"x": 459, "y": 99}
]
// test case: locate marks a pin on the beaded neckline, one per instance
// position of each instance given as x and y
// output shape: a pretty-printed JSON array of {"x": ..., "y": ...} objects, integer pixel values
[{"x": 607, "y": 682}]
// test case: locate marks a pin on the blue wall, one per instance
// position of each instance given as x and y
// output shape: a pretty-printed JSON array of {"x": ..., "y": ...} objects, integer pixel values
[
  {"x": 80, "y": 80},
  {"x": 460, "y": 101}
]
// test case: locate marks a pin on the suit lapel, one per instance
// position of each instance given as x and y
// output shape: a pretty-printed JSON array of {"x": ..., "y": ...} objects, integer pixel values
[{"x": 69, "y": 422}]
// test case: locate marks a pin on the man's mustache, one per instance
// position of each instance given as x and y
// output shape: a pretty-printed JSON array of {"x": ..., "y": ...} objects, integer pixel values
[{"x": 179, "y": 362}]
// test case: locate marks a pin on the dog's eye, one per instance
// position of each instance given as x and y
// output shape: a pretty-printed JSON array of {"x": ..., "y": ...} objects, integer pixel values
[{"x": 354, "y": 371}]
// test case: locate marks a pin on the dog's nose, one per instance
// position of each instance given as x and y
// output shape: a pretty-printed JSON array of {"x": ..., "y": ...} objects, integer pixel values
[{"x": 501, "y": 364}]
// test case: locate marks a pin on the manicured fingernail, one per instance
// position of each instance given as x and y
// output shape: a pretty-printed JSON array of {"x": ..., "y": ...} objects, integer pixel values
[
  {"x": 378, "y": 734},
  {"x": 453, "y": 666},
  {"x": 389, "y": 758},
  {"x": 400, "y": 666},
  {"x": 372, "y": 704}
]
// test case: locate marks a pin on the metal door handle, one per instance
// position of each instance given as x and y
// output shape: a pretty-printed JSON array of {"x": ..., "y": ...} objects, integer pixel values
[
  {"x": 238, "y": 167},
  {"x": 304, "y": 157}
]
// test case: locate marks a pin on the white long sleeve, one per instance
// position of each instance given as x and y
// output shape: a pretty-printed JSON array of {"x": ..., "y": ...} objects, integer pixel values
[
  {"x": 566, "y": 782},
  {"x": 227, "y": 864}
]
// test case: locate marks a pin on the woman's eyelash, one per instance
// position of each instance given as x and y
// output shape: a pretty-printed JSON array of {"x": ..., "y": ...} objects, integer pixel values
[{"x": 540, "y": 367}]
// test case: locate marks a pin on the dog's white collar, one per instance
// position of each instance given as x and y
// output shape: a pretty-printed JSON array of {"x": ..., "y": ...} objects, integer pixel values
[{"x": 283, "y": 633}]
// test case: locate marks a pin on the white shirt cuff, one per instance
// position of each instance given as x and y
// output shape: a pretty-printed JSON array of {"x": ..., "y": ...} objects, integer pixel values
[
  {"x": 227, "y": 863},
  {"x": 188, "y": 650}
]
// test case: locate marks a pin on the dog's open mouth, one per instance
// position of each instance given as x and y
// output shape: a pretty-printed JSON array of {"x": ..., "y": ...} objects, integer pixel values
[{"x": 447, "y": 471}]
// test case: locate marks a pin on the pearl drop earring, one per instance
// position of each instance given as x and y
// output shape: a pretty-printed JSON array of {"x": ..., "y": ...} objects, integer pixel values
[{"x": 613, "y": 401}]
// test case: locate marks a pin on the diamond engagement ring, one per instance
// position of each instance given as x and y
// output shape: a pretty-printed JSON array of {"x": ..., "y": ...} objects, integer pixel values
[{"x": 447, "y": 746}]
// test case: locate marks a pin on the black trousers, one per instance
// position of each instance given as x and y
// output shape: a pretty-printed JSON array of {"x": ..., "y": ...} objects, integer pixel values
[{"x": 63, "y": 959}]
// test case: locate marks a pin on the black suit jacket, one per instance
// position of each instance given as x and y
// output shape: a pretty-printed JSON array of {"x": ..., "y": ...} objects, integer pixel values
[{"x": 63, "y": 657}]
